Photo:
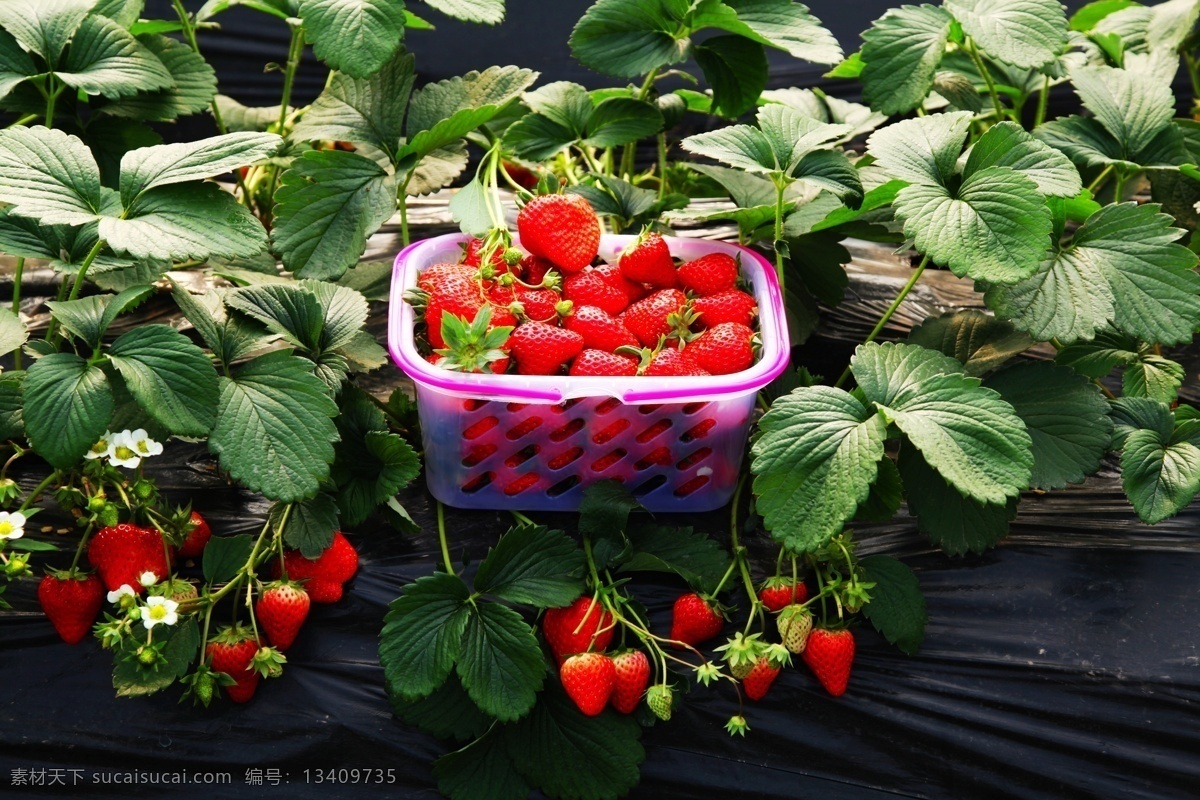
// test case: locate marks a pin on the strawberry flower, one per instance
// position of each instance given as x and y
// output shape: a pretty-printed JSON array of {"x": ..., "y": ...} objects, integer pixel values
[
  {"x": 128, "y": 448},
  {"x": 101, "y": 448},
  {"x": 117, "y": 595},
  {"x": 143, "y": 445},
  {"x": 159, "y": 610},
  {"x": 12, "y": 525},
  {"x": 147, "y": 578}
]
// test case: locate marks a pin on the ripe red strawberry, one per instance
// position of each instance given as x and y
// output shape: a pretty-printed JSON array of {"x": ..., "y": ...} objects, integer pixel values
[
  {"x": 562, "y": 228},
  {"x": 633, "y": 675},
  {"x": 571, "y": 630},
  {"x": 648, "y": 260},
  {"x": 829, "y": 654},
  {"x": 760, "y": 678},
  {"x": 670, "y": 361},
  {"x": 598, "y": 362},
  {"x": 541, "y": 349},
  {"x": 663, "y": 313},
  {"x": 473, "y": 255},
  {"x": 776, "y": 593},
  {"x": 694, "y": 620},
  {"x": 615, "y": 278},
  {"x": 723, "y": 350},
  {"x": 588, "y": 288},
  {"x": 541, "y": 305},
  {"x": 600, "y": 330},
  {"x": 123, "y": 553},
  {"x": 477, "y": 346},
  {"x": 589, "y": 679},
  {"x": 72, "y": 602},
  {"x": 231, "y": 652},
  {"x": 197, "y": 538},
  {"x": 281, "y": 610},
  {"x": 452, "y": 288},
  {"x": 521, "y": 175},
  {"x": 327, "y": 573},
  {"x": 731, "y": 306},
  {"x": 535, "y": 269},
  {"x": 710, "y": 274}
]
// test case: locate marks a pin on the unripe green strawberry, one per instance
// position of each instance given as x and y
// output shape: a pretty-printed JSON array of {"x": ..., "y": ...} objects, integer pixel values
[
  {"x": 660, "y": 699},
  {"x": 794, "y": 623},
  {"x": 741, "y": 653}
]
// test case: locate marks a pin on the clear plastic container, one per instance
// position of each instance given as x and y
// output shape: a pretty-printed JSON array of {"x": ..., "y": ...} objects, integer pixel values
[{"x": 526, "y": 442}]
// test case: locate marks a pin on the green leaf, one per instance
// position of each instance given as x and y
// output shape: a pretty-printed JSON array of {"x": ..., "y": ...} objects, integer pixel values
[
  {"x": 1122, "y": 267},
  {"x": 1008, "y": 145},
  {"x": 312, "y": 315},
  {"x": 533, "y": 565},
  {"x": 447, "y": 713},
  {"x": 1130, "y": 414},
  {"x": 955, "y": 523},
  {"x": 12, "y": 424},
  {"x": 353, "y": 36},
  {"x": 44, "y": 26},
  {"x": 224, "y": 556},
  {"x": 49, "y": 176},
  {"x": 488, "y": 12},
  {"x": 437, "y": 169},
  {"x": 902, "y": 51},
  {"x": 897, "y": 607},
  {"x": 422, "y": 634},
  {"x": 736, "y": 69},
  {"x": 1153, "y": 376},
  {"x": 229, "y": 338},
  {"x": 979, "y": 341},
  {"x": 481, "y": 771},
  {"x": 1098, "y": 357},
  {"x": 500, "y": 662},
  {"x": 166, "y": 164},
  {"x": 1172, "y": 22},
  {"x": 1066, "y": 416},
  {"x": 628, "y": 38},
  {"x": 825, "y": 108},
  {"x": 170, "y": 377},
  {"x": 887, "y": 493},
  {"x": 1132, "y": 106},
  {"x": 783, "y": 138},
  {"x": 15, "y": 64},
  {"x": 537, "y": 137},
  {"x": 1025, "y": 33},
  {"x": 389, "y": 464},
  {"x": 12, "y": 332},
  {"x": 620, "y": 120},
  {"x": 89, "y": 318},
  {"x": 238, "y": 117},
  {"x": 781, "y": 24},
  {"x": 1087, "y": 17},
  {"x": 1161, "y": 474},
  {"x": 68, "y": 404},
  {"x": 481, "y": 93},
  {"x": 469, "y": 208},
  {"x": 181, "y": 644},
  {"x": 310, "y": 524},
  {"x": 605, "y": 508},
  {"x": 922, "y": 150},
  {"x": 185, "y": 221},
  {"x": 692, "y": 556},
  {"x": 273, "y": 430},
  {"x": 814, "y": 460},
  {"x": 965, "y": 431},
  {"x": 193, "y": 88}
]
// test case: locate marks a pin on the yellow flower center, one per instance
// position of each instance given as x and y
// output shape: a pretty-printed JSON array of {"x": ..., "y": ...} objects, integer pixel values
[
  {"x": 123, "y": 453},
  {"x": 158, "y": 612},
  {"x": 142, "y": 447},
  {"x": 6, "y": 528},
  {"x": 100, "y": 446}
]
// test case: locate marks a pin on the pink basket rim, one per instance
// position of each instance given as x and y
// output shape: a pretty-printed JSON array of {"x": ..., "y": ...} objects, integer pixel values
[{"x": 557, "y": 388}]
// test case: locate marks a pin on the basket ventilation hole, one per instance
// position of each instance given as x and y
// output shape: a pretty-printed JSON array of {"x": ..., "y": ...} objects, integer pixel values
[
  {"x": 698, "y": 431},
  {"x": 607, "y": 460},
  {"x": 691, "y": 486},
  {"x": 695, "y": 458},
  {"x": 481, "y": 427},
  {"x": 521, "y": 456},
  {"x": 562, "y": 486},
  {"x": 659, "y": 457},
  {"x": 478, "y": 482},
  {"x": 527, "y": 425},
  {"x": 564, "y": 406},
  {"x": 473, "y": 404},
  {"x": 566, "y": 457},
  {"x": 611, "y": 432},
  {"x": 526, "y": 481},
  {"x": 477, "y": 454},
  {"x": 516, "y": 406},
  {"x": 653, "y": 430},
  {"x": 693, "y": 408},
  {"x": 650, "y": 485},
  {"x": 608, "y": 405},
  {"x": 649, "y": 408},
  {"x": 567, "y": 431}
]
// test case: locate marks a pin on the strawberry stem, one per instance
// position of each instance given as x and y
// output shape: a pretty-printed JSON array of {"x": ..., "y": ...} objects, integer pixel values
[
  {"x": 441, "y": 520},
  {"x": 887, "y": 315},
  {"x": 29, "y": 500}
]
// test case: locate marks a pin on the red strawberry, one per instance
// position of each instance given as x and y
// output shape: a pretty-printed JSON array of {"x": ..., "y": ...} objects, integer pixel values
[
  {"x": 562, "y": 228},
  {"x": 473, "y": 252},
  {"x": 281, "y": 610},
  {"x": 588, "y": 288},
  {"x": 541, "y": 305},
  {"x": 710, "y": 274},
  {"x": 663, "y": 313},
  {"x": 778, "y": 593},
  {"x": 694, "y": 620},
  {"x": 600, "y": 330},
  {"x": 542, "y": 349},
  {"x": 615, "y": 278},
  {"x": 452, "y": 289},
  {"x": 571, "y": 630},
  {"x": 760, "y": 678},
  {"x": 197, "y": 538},
  {"x": 731, "y": 306},
  {"x": 589, "y": 679},
  {"x": 829, "y": 654},
  {"x": 123, "y": 553},
  {"x": 723, "y": 350},
  {"x": 327, "y": 573},
  {"x": 633, "y": 674},
  {"x": 671, "y": 361},
  {"x": 647, "y": 260},
  {"x": 521, "y": 175},
  {"x": 72, "y": 602},
  {"x": 442, "y": 277},
  {"x": 535, "y": 270},
  {"x": 231, "y": 651},
  {"x": 598, "y": 362}
]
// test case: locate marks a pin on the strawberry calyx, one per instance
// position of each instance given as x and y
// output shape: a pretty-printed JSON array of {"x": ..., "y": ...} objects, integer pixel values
[
  {"x": 737, "y": 725},
  {"x": 268, "y": 662},
  {"x": 474, "y": 347},
  {"x": 742, "y": 652}
]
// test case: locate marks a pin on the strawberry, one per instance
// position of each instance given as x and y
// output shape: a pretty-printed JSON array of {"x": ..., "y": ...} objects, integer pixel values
[
  {"x": 535, "y": 269},
  {"x": 589, "y": 679},
  {"x": 326, "y": 574},
  {"x": 647, "y": 260},
  {"x": 281, "y": 609},
  {"x": 730, "y": 306},
  {"x": 521, "y": 175},
  {"x": 694, "y": 620},
  {"x": 660, "y": 698},
  {"x": 794, "y": 623},
  {"x": 829, "y": 654},
  {"x": 72, "y": 602},
  {"x": 632, "y": 675},
  {"x": 672, "y": 362},
  {"x": 779, "y": 592},
  {"x": 663, "y": 313},
  {"x": 571, "y": 630},
  {"x": 452, "y": 289},
  {"x": 588, "y": 288},
  {"x": 541, "y": 305},
  {"x": 197, "y": 538},
  {"x": 760, "y": 678},
  {"x": 231, "y": 652},
  {"x": 598, "y": 362},
  {"x": 473, "y": 255},
  {"x": 724, "y": 349},
  {"x": 480, "y": 346},
  {"x": 562, "y": 228},
  {"x": 613, "y": 276},
  {"x": 600, "y": 330},
  {"x": 122, "y": 553},
  {"x": 541, "y": 349},
  {"x": 741, "y": 653},
  {"x": 710, "y": 274}
]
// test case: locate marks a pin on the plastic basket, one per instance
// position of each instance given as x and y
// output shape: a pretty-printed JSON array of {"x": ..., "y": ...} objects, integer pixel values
[{"x": 526, "y": 442}]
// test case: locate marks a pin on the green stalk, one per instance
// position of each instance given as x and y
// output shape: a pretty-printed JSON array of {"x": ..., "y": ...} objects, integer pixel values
[
  {"x": 887, "y": 315},
  {"x": 402, "y": 202},
  {"x": 441, "y": 519},
  {"x": 16, "y": 304},
  {"x": 1043, "y": 103},
  {"x": 590, "y": 160},
  {"x": 1119, "y": 187},
  {"x": 295, "y": 51},
  {"x": 1193, "y": 73},
  {"x": 25, "y": 120},
  {"x": 628, "y": 151},
  {"x": 780, "y": 188},
  {"x": 83, "y": 268},
  {"x": 1095, "y": 185},
  {"x": 973, "y": 51},
  {"x": 662, "y": 165},
  {"x": 51, "y": 99},
  {"x": 41, "y": 487}
]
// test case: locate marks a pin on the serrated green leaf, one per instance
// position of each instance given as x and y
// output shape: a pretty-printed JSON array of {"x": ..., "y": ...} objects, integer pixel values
[
  {"x": 897, "y": 607},
  {"x": 167, "y": 164},
  {"x": 1131, "y": 414},
  {"x": 621, "y": 120},
  {"x": 89, "y": 318},
  {"x": 447, "y": 713},
  {"x": 44, "y": 26},
  {"x": 1132, "y": 106},
  {"x": 814, "y": 461},
  {"x": 469, "y": 208},
  {"x": 1122, "y": 267},
  {"x": 238, "y": 117},
  {"x": 955, "y": 523},
  {"x": 901, "y": 53},
  {"x": 826, "y": 108},
  {"x": 437, "y": 170},
  {"x": 169, "y": 376},
  {"x": 106, "y": 59},
  {"x": 1161, "y": 474},
  {"x": 533, "y": 565},
  {"x": 485, "y": 92},
  {"x": 1008, "y": 145},
  {"x": 922, "y": 150},
  {"x": 229, "y": 338},
  {"x": 49, "y": 176},
  {"x": 887, "y": 493},
  {"x": 287, "y": 309},
  {"x": 224, "y": 556},
  {"x": 388, "y": 464},
  {"x": 68, "y": 405},
  {"x": 736, "y": 69},
  {"x": 1098, "y": 357},
  {"x": 15, "y": 64},
  {"x": 979, "y": 341},
  {"x": 481, "y": 771},
  {"x": 180, "y": 642},
  {"x": 273, "y": 430},
  {"x": 1025, "y": 33},
  {"x": 691, "y": 555},
  {"x": 1154, "y": 377},
  {"x": 537, "y": 137},
  {"x": 605, "y": 508},
  {"x": 310, "y": 524},
  {"x": 12, "y": 424},
  {"x": 1172, "y": 22},
  {"x": 500, "y": 662},
  {"x": 12, "y": 332},
  {"x": 1091, "y": 14},
  {"x": 781, "y": 24},
  {"x": 422, "y": 634},
  {"x": 627, "y": 38},
  {"x": 353, "y": 36},
  {"x": 783, "y": 138},
  {"x": 488, "y": 12}
]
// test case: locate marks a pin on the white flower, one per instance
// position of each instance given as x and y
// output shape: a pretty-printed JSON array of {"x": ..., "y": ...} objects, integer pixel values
[
  {"x": 125, "y": 590},
  {"x": 159, "y": 610},
  {"x": 143, "y": 445},
  {"x": 12, "y": 525},
  {"x": 122, "y": 451},
  {"x": 147, "y": 578},
  {"x": 100, "y": 449}
]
